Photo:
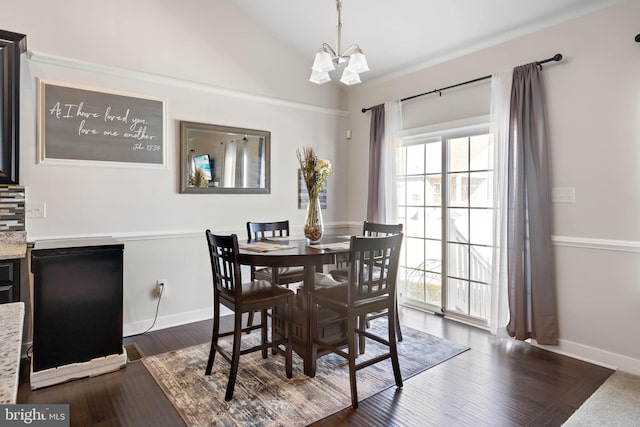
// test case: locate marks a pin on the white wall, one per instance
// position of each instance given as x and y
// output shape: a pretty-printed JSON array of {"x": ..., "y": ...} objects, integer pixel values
[
  {"x": 205, "y": 65},
  {"x": 593, "y": 99},
  {"x": 207, "y": 68}
]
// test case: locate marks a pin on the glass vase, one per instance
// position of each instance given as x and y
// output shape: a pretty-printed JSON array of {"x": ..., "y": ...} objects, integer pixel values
[{"x": 313, "y": 225}]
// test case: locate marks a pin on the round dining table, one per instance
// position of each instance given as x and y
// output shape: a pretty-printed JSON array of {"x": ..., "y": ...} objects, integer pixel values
[{"x": 293, "y": 252}]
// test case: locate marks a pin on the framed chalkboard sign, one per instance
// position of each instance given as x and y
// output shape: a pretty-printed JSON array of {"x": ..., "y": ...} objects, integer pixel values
[{"x": 77, "y": 123}]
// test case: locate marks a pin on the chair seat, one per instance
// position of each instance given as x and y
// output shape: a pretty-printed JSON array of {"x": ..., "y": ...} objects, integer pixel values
[
  {"x": 260, "y": 291},
  {"x": 342, "y": 274},
  {"x": 285, "y": 274},
  {"x": 336, "y": 296}
]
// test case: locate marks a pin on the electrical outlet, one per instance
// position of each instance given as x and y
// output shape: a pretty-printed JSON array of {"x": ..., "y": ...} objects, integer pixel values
[{"x": 161, "y": 287}]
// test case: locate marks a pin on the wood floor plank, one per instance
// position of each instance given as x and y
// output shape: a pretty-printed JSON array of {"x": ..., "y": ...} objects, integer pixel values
[{"x": 495, "y": 383}]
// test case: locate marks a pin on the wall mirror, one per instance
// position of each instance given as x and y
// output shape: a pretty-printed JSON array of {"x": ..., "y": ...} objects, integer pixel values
[{"x": 223, "y": 159}]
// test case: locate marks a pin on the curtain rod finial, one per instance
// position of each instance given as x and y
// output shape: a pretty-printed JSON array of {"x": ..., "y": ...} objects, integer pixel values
[
  {"x": 638, "y": 38},
  {"x": 557, "y": 57}
]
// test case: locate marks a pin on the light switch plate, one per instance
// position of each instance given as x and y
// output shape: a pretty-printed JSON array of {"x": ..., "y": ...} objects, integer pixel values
[
  {"x": 563, "y": 195},
  {"x": 36, "y": 210}
]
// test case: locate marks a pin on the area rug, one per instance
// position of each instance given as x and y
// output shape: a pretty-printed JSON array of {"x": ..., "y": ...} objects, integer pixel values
[
  {"x": 264, "y": 396},
  {"x": 615, "y": 403}
]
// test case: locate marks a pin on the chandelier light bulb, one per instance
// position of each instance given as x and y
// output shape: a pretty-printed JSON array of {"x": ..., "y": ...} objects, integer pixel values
[
  {"x": 323, "y": 62},
  {"x": 319, "y": 78},
  {"x": 358, "y": 62},
  {"x": 349, "y": 77}
]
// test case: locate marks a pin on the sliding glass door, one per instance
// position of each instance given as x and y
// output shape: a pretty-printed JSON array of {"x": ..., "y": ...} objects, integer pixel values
[{"x": 445, "y": 193}]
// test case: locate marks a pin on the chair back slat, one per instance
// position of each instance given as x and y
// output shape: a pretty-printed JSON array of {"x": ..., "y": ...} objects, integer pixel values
[
  {"x": 261, "y": 230},
  {"x": 225, "y": 268},
  {"x": 374, "y": 229},
  {"x": 373, "y": 272}
]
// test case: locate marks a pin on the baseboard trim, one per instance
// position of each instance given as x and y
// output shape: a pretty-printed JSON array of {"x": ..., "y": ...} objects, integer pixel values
[
  {"x": 594, "y": 355},
  {"x": 163, "y": 322}
]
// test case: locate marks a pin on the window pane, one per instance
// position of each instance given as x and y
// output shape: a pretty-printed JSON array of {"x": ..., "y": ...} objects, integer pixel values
[
  {"x": 433, "y": 256},
  {"x": 481, "y": 153},
  {"x": 414, "y": 285},
  {"x": 481, "y": 223},
  {"x": 415, "y": 191},
  {"x": 458, "y": 260},
  {"x": 415, "y": 159},
  {"x": 433, "y": 288},
  {"x": 458, "y": 190},
  {"x": 458, "y": 295},
  {"x": 414, "y": 223},
  {"x": 414, "y": 250},
  {"x": 458, "y": 154},
  {"x": 480, "y": 300},
  {"x": 433, "y": 188},
  {"x": 458, "y": 225},
  {"x": 433, "y": 157},
  {"x": 481, "y": 263},
  {"x": 433, "y": 223},
  {"x": 481, "y": 191}
]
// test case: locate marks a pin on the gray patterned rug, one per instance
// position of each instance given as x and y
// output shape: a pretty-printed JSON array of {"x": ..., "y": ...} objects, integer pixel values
[{"x": 264, "y": 396}]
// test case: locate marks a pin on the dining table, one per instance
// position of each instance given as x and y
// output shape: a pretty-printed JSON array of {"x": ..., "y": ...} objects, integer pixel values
[{"x": 292, "y": 252}]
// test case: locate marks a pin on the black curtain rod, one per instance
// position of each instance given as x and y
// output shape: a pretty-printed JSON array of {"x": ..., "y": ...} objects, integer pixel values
[{"x": 556, "y": 57}]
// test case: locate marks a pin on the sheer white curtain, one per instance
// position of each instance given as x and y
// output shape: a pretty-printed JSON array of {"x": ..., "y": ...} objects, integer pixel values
[
  {"x": 499, "y": 129},
  {"x": 392, "y": 130}
]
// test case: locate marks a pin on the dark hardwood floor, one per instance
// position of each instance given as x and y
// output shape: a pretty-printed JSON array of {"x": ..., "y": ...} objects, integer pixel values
[{"x": 496, "y": 383}]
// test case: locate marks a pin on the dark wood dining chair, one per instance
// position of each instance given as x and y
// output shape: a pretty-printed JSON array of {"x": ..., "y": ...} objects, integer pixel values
[
  {"x": 282, "y": 276},
  {"x": 372, "y": 229},
  {"x": 364, "y": 293},
  {"x": 257, "y": 295}
]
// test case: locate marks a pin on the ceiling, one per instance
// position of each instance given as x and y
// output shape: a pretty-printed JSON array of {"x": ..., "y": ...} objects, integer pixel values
[{"x": 400, "y": 36}]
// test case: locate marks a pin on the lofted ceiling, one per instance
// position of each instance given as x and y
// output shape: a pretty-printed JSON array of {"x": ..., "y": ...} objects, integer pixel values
[{"x": 399, "y": 36}]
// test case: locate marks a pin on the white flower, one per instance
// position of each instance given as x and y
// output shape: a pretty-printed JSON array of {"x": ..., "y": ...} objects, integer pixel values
[{"x": 323, "y": 166}]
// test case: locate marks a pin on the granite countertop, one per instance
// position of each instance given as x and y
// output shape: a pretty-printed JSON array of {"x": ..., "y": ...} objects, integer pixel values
[
  {"x": 13, "y": 244},
  {"x": 11, "y": 323},
  {"x": 13, "y": 250}
]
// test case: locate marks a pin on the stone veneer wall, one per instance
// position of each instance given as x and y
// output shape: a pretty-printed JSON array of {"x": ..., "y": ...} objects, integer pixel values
[{"x": 12, "y": 211}]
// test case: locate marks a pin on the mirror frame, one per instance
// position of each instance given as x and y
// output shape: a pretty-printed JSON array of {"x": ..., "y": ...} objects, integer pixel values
[{"x": 184, "y": 156}]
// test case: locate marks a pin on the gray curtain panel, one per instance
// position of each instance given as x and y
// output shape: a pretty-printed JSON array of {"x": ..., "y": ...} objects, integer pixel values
[
  {"x": 531, "y": 272},
  {"x": 375, "y": 199}
]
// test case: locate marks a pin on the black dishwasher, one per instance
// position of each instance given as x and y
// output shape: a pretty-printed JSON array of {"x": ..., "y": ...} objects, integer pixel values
[{"x": 77, "y": 297}]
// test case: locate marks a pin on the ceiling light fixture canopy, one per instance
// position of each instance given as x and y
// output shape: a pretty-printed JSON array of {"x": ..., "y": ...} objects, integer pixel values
[{"x": 327, "y": 59}]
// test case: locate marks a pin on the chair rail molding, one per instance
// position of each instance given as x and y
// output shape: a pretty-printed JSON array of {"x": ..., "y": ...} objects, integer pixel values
[
  {"x": 296, "y": 231},
  {"x": 598, "y": 244}
]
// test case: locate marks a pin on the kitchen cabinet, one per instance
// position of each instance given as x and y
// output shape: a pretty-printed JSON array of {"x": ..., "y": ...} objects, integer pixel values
[{"x": 12, "y": 45}]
